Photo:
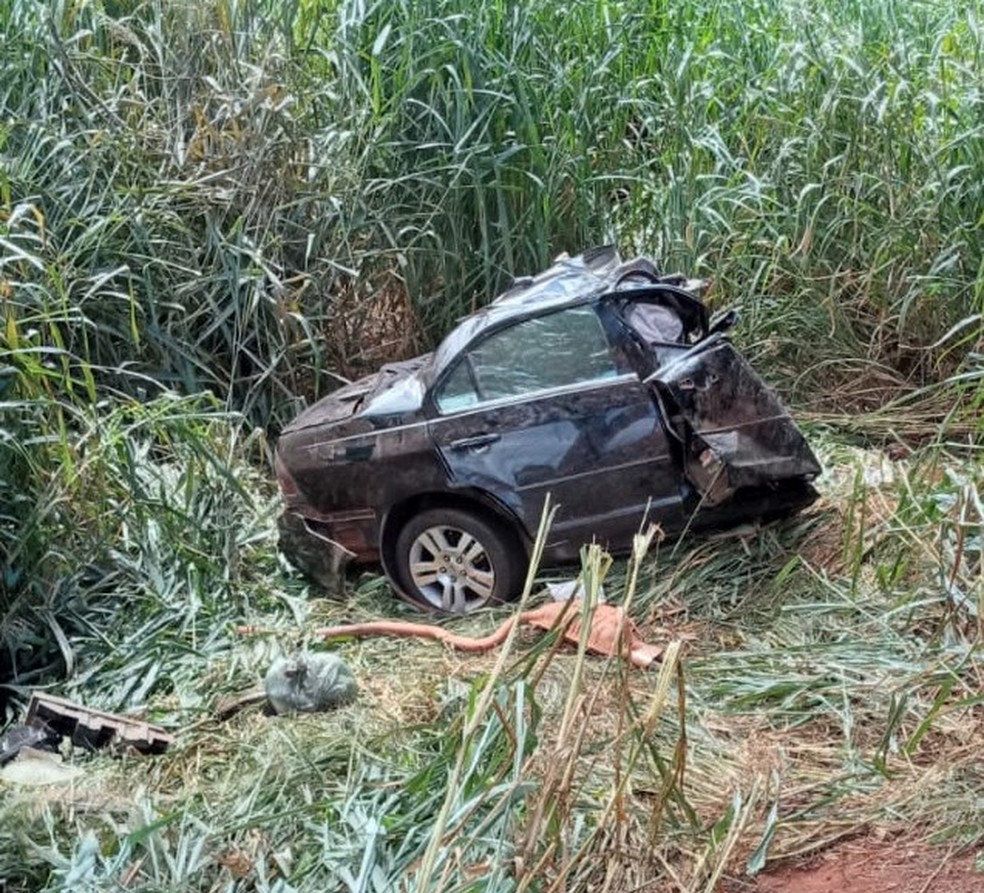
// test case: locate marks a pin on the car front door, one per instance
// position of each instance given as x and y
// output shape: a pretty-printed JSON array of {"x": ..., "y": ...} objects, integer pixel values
[{"x": 545, "y": 406}]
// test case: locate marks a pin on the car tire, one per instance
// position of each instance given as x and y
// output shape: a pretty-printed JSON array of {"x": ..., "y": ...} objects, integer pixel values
[{"x": 457, "y": 561}]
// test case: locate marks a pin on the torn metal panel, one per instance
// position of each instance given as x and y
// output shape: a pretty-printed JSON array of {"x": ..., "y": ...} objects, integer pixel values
[
  {"x": 316, "y": 552},
  {"x": 735, "y": 431}
]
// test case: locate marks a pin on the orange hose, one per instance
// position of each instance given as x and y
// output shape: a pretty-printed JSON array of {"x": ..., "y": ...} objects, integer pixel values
[{"x": 423, "y": 631}]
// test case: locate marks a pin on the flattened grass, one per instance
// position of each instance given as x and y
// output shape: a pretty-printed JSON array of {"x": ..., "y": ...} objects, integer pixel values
[{"x": 825, "y": 684}]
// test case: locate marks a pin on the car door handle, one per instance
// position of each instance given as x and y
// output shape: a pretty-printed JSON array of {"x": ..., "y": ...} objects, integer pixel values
[{"x": 473, "y": 443}]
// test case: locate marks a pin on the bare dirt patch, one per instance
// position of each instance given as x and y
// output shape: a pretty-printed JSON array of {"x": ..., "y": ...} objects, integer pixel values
[{"x": 870, "y": 866}]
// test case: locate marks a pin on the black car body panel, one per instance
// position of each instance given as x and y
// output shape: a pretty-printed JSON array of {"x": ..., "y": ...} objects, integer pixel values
[
  {"x": 599, "y": 383},
  {"x": 735, "y": 432},
  {"x": 600, "y": 451}
]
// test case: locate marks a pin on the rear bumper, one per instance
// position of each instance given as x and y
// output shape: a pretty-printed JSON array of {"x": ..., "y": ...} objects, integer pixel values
[{"x": 322, "y": 547}]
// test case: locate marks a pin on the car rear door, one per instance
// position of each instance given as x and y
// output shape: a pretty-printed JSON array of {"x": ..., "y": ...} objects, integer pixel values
[{"x": 546, "y": 406}]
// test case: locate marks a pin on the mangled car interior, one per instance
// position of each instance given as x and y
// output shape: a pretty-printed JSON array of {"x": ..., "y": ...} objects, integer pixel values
[{"x": 601, "y": 383}]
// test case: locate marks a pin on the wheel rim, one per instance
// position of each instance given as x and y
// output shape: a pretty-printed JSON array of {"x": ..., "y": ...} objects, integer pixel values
[{"x": 451, "y": 569}]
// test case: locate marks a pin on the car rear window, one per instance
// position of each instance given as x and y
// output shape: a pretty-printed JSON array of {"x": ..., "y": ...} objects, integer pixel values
[{"x": 560, "y": 349}]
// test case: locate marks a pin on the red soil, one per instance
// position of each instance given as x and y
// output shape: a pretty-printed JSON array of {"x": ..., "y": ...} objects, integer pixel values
[{"x": 867, "y": 866}]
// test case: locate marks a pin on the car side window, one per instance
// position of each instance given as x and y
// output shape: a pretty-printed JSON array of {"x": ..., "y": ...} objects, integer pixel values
[{"x": 560, "y": 349}]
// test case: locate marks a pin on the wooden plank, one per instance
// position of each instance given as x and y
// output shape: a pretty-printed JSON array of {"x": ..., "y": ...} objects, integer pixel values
[{"x": 95, "y": 728}]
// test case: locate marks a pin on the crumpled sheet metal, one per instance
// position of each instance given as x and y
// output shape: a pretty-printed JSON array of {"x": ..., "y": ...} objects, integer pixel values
[{"x": 739, "y": 435}]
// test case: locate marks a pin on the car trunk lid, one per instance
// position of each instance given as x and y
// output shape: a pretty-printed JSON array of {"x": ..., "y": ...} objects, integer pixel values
[{"x": 352, "y": 398}]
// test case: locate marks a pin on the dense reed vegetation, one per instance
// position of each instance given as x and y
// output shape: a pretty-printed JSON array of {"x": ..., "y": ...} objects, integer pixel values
[
  {"x": 211, "y": 212},
  {"x": 249, "y": 196}
]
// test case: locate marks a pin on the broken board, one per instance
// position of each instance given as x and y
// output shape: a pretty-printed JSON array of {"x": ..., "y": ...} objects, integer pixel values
[{"x": 94, "y": 728}]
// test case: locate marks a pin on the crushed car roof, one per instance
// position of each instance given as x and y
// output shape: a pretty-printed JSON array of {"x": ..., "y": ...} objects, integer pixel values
[{"x": 569, "y": 280}]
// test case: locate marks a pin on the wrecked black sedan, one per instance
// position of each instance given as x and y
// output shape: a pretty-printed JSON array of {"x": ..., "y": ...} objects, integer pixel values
[{"x": 598, "y": 382}]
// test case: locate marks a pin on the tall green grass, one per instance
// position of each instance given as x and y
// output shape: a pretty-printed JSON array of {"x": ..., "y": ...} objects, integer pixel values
[
  {"x": 252, "y": 196},
  {"x": 131, "y": 537},
  {"x": 257, "y": 199}
]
